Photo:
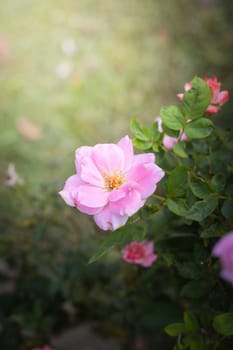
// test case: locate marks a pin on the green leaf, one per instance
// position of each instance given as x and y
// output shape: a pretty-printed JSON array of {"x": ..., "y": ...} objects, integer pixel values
[
  {"x": 199, "y": 188},
  {"x": 227, "y": 208},
  {"x": 179, "y": 149},
  {"x": 191, "y": 322},
  {"x": 136, "y": 232},
  {"x": 177, "y": 182},
  {"x": 175, "y": 329},
  {"x": 169, "y": 132},
  {"x": 189, "y": 270},
  {"x": 144, "y": 145},
  {"x": 198, "y": 129},
  {"x": 141, "y": 132},
  {"x": 172, "y": 117},
  {"x": 115, "y": 238},
  {"x": 202, "y": 209},
  {"x": 155, "y": 147},
  {"x": 223, "y": 323},
  {"x": 218, "y": 183},
  {"x": 197, "y": 99},
  {"x": 178, "y": 207},
  {"x": 214, "y": 230},
  {"x": 155, "y": 132},
  {"x": 130, "y": 232},
  {"x": 197, "y": 343},
  {"x": 196, "y": 289}
]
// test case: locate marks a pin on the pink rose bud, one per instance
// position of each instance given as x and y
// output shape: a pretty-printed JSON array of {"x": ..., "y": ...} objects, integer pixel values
[
  {"x": 169, "y": 141},
  {"x": 111, "y": 183},
  {"x": 140, "y": 253},
  {"x": 223, "y": 249},
  {"x": 218, "y": 97}
]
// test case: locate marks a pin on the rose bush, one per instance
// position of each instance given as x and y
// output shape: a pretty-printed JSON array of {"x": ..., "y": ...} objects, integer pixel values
[{"x": 185, "y": 218}]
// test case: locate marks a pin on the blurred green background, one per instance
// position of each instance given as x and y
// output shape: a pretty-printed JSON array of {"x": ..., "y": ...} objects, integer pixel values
[{"x": 74, "y": 73}]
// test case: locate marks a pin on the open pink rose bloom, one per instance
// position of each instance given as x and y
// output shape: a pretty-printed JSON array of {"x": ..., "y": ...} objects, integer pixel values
[
  {"x": 140, "y": 253},
  {"x": 223, "y": 249},
  {"x": 217, "y": 97},
  {"x": 111, "y": 182}
]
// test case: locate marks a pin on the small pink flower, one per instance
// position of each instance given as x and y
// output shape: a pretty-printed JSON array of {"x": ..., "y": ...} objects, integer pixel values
[
  {"x": 111, "y": 182},
  {"x": 169, "y": 141},
  {"x": 217, "y": 97},
  {"x": 223, "y": 249},
  {"x": 140, "y": 253}
]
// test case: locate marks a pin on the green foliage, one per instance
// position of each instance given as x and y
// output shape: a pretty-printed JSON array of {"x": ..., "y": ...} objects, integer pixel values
[
  {"x": 198, "y": 129},
  {"x": 196, "y": 209},
  {"x": 119, "y": 238},
  {"x": 196, "y": 100},
  {"x": 172, "y": 117},
  {"x": 179, "y": 149},
  {"x": 46, "y": 253},
  {"x": 223, "y": 324}
]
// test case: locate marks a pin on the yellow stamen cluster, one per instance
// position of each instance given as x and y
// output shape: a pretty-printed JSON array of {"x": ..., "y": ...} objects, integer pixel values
[{"x": 113, "y": 182}]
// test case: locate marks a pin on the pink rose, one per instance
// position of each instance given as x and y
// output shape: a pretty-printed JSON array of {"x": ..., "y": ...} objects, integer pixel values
[
  {"x": 169, "y": 141},
  {"x": 223, "y": 249},
  {"x": 140, "y": 253},
  {"x": 217, "y": 97},
  {"x": 111, "y": 182}
]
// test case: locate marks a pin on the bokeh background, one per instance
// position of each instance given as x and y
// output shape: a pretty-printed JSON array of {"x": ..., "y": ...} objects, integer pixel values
[{"x": 74, "y": 73}]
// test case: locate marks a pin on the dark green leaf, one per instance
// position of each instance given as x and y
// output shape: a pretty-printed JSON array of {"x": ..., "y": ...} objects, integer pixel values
[
  {"x": 136, "y": 232},
  {"x": 130, "y": 232},
  {"x": 199, "y": 188},
  {"x": 201, "y": 209},
  {"x": 215, "y": 230},
  {"x": 218, "y": 182},
  {"x": 178, "y": 207},
  {"x": 199, "y": 128},
  {"x": 179, "y": 149},
  {"x": 189, "y": 270},
  {"x": 227, "y": 208},
  {"x": 177, "y": 182},
  {"x": 196, "y": 289},
  {"x": 114, "y": 238},
  {"x": 197, "y": 99}
]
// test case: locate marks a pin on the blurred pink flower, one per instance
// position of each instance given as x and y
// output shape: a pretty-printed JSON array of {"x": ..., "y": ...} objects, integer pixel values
[
  {"x": 140, "y": 253},
  {"x": 217, "y": 97},
  {"x": 4, "y": 49},
  {"x": 223, "y": 249},
  {"x": 169, "y": 141},
  {"x": 46, "y": 347},
  {"x": 111, "y": 182}
]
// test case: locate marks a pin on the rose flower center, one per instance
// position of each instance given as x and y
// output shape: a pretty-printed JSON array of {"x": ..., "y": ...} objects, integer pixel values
[{"x": 113, "y": 182}]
